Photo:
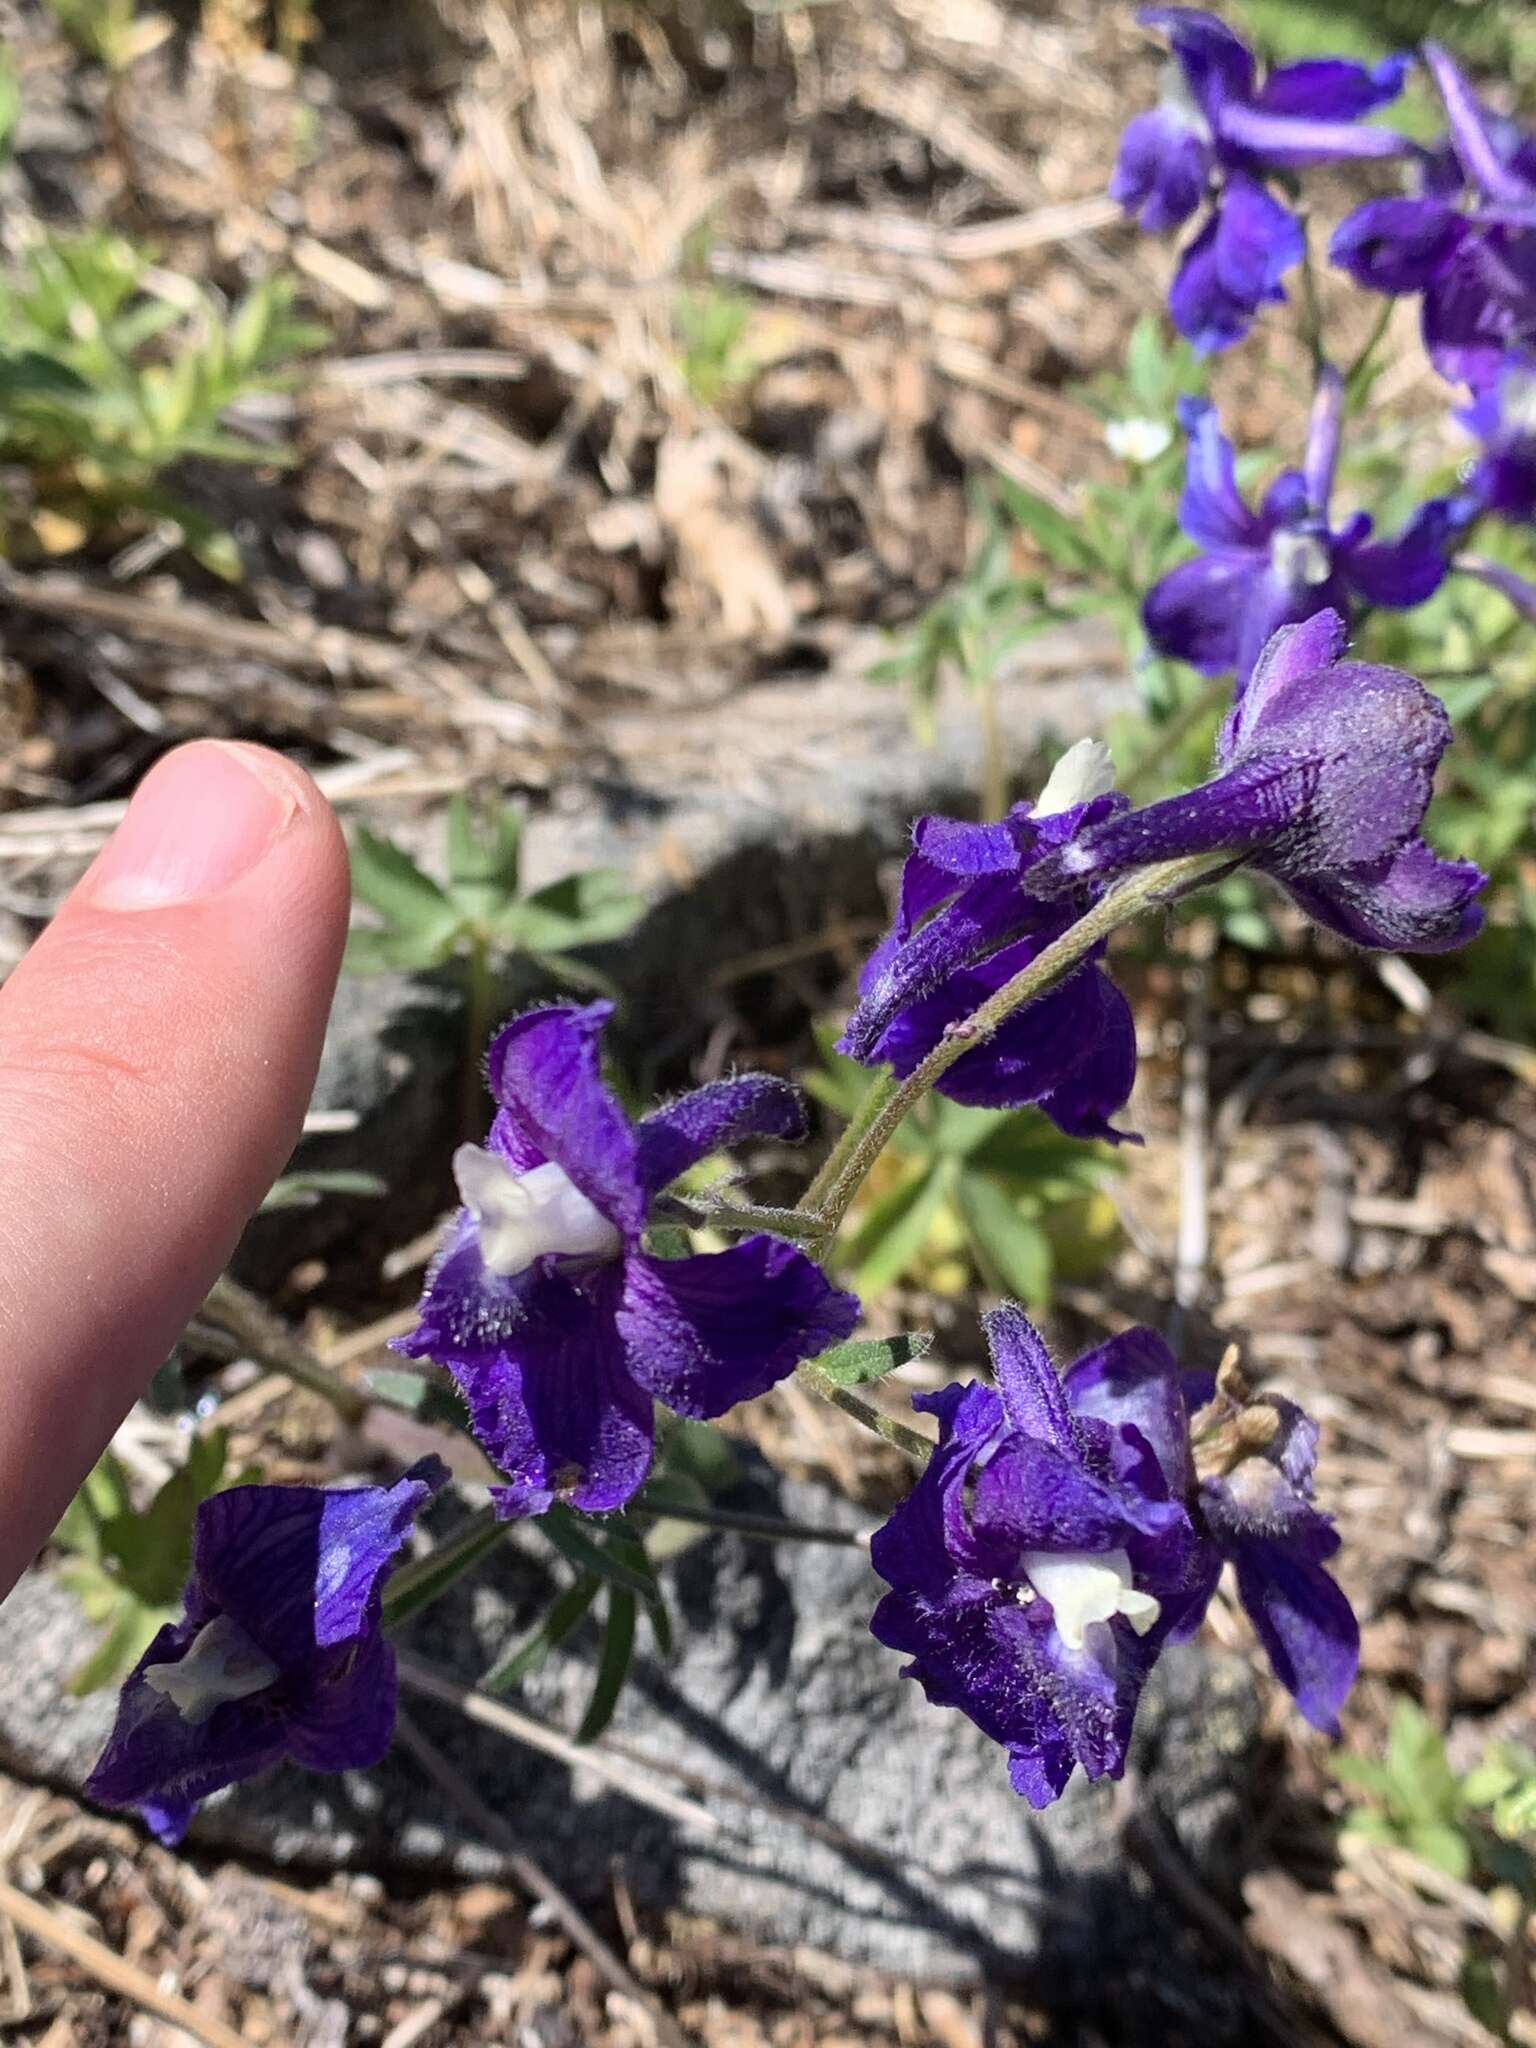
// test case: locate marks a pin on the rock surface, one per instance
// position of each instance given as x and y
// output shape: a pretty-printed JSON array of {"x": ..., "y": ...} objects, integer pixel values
[{"x": 856, "y": 1819}]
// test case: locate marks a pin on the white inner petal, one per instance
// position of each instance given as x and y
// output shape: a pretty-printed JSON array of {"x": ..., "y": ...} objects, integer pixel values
[
  {"x": 222, "y": 1664},
  {"x": 1137, "y": 440},
  {"x": 1300, "y": 558},
  {"x": 522, "y": 1216},
  {"x": 1088, "y": 1586},
  {"x": 1085, "y": 770},
  {"x": 1517, "y": 403}
]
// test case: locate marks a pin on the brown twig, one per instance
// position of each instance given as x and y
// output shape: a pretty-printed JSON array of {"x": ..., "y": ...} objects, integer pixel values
[
  {"x": 44, "y": 1923},
  {"x": 536, "y": 1881}
]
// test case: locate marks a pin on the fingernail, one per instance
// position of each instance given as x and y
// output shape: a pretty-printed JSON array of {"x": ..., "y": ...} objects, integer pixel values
[{"x": 200, "y": 820}]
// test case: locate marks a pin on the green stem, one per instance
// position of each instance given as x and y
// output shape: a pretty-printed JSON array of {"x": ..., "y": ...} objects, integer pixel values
[
  {"x": 909, "y": 1441},
  {"x": 479, "y": 999},
  {"x": 1312, "y": 305},
  {"x": 708, "y": 1213},
  {"x": 872, "y": 1127},
  {"x": 994, "y": 755},
  {"x": 874, "y": 1099},
  {"x": 275, "y": 1348},
  {"x": 768, "y": 1528},
  {"x": 1355, "y": 374}
]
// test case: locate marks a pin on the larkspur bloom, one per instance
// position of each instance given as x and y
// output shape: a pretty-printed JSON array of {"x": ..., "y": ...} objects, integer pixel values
[
  {"x": 1326, "y": 768},
  {"x": 966, "y": 923},
  {"x": 1503, "y": 417},
  {"x": 1068, "y": 1528},
  {"x": 1276, "y": 566},
  {"x": 280, "y": 1653},
  {"x": 561, "y": 1328},
  {"x": 1218, "y": 133},
  {"x": 1466, "y": 240}
]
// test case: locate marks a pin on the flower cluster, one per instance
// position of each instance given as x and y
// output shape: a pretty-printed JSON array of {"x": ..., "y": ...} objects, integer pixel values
[
  {"x": 561, "y": 1327},
  {"x": 280, "y": 1653},
  {"x": 1216, "y": 137},
  {"x": 1067, "y": 1529}
]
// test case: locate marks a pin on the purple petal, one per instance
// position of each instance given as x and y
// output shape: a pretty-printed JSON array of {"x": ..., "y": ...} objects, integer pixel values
[
  {"x": 1474, "y": 144},
  {"x": 1480, "y": 304},
  {"x": 982, "y": 917},
  {"x": 157, "y": 1760},
  {"x": 1217, "y": 63},
  {"x": 1324, "y": 427},
  {"x": 349, "y": 1724},
  {"x": 1295, "y": 651},
  {"x": 1306, "y": 1625},
  {"x": 1163, "y": 169},
  {"x": 1289, "y": 592},
  {"x": 1330, "y": 89},
  {"x": 1406, "y": 571},
  {"x": 1242, "y": 810},
  {"x": 1033, "y": 1397},
  {"x": 1212, "y": 511},
  {"x": 545, "y": 1070},
  {"x": 553, "y": 1403},
  {"x": 1397, "y": 245},
  {"x": 1133, "y": 1381},
  {"x": 1234, "y": 265},
  {"x": 1411, "y": 901},
  {"x": 1195, "y": 612},
  {"x": 1040, "y": 1774},
  {"x": 681, "y": 1133},
  {"x": 1289, "y": 142},
  {"x": 708, "y": 1332},
  {"x": 911, "y": 1550}
]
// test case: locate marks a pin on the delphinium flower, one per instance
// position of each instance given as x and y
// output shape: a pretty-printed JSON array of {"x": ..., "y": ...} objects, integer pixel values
[
  {"x": 1217, "y": 134},
  {"x": 1067, "y": 1529},
  {"x": 1503, "y": 417},
  {"x": 1325, "y": 772},
  {"x": 562, "y": 1329},
  {"x": 1466, "y": 240},
  {"x": 1267, "y": 568},
  {"x": 280, "y": 1653},
  {"x": 966, "y": 923}
]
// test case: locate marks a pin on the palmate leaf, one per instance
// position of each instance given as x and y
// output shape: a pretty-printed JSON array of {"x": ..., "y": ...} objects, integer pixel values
[
  {"x": 587, "y": 909},
  {"x": 386, "y": 878},
  {"x": 484, "y": 856}
]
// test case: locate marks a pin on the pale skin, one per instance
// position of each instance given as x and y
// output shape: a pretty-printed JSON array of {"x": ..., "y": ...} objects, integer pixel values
[{"x": 158, "y": 1046}]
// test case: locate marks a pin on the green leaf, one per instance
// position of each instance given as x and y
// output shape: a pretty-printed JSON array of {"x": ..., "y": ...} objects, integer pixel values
[
  {"x": 484, "y": 855},
  {"x": 1443, "y": 1847},
  {"x": 1515, "y": 1813},
  {"x": 132, "y": 1629},
  {"x": 862, "y": 1360},
  {"x": 580, "y": 975},
  {"x": 894, "y": 1232},
  {"x": 1012, "y": 1251},
  {"x": 588, "y": 909},
  {"x": 430, "y": 1396},
  {"x": 153, "y": 1550},
  {"x": 306, "y": 1190},
  {"x": 562, "y": 1529},
  {"x": 416, "y": 1585},
  {"x": 562, "y": 1618},
  {"x": 618, "y": 1653},
  {"x": 393, "y": 951},
  {"x": 386, "y": 878},
  {"x": 1059, "y": 540}
]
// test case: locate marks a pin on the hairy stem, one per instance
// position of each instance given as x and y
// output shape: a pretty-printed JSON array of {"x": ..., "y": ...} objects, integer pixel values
[{"x": 883, "y": 1109}]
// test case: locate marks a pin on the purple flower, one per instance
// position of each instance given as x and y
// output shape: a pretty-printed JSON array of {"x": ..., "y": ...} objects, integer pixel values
[
  {"x": 1503, "y": 417},
  {"x": 1254, "y": 1463},
  {"x": 1040, "y": 1562},
  {"x": 966, "y": 923},
  {"x": 280, "y": 1653},
  {"x": 1326, "y": 770},
  {"x": 1066, "y": 1529},
  {"x": 1217, "y": 132},
  {"x": 1279, "y": 565},
  {"x": 1467, "y": 241},
  {"x": 561, "y": 1328}
]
